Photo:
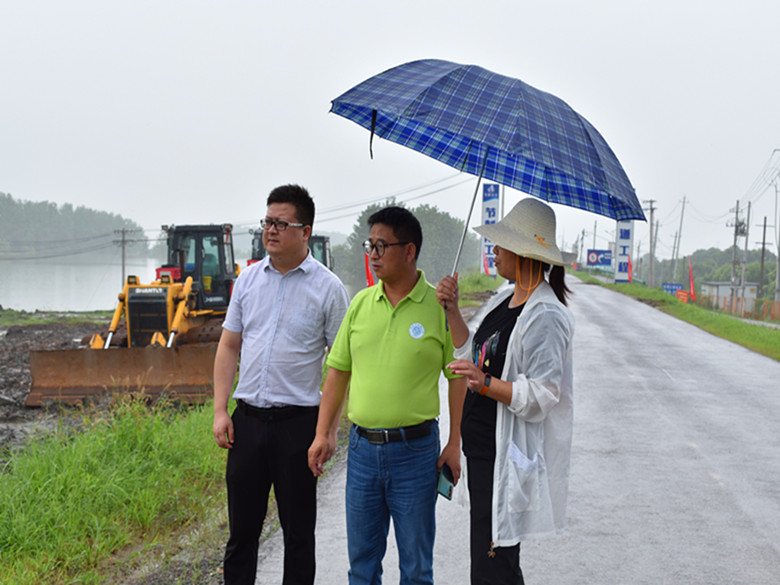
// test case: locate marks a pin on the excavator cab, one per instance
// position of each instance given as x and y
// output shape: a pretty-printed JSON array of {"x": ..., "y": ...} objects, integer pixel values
[{"x": 204, "y": 252}]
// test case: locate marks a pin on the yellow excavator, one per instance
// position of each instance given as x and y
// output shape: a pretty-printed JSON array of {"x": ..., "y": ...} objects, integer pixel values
[{"x": 163, "y": 335}]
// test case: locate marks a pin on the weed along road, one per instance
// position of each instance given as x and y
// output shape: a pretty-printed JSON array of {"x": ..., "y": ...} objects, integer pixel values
[{"x": 675, "y": 468}]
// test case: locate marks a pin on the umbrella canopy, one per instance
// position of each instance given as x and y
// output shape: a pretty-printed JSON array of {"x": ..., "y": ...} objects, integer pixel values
[{"x": 494, "y": 127}]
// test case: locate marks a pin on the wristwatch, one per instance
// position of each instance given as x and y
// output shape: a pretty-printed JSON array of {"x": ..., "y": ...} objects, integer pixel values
[{"x": 486, "y": 385}]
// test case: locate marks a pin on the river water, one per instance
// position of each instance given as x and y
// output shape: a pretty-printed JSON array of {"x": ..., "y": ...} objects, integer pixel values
[{"x": 55, "y": 286}]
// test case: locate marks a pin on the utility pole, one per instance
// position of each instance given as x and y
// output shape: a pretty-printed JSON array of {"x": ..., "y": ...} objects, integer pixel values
[
  {"x": 123, "y": 243},
  {"x": 652, "y": 244},
  {"x": 679, "y": 237},
  {"x": 674, "y": 259},
  {"x": 595, "y": 223},
  {"x": 761, "y": 272},
  {"x": 745, "y": 257},
  {"x": 582, "y": 244},
  {"x": 124, "y": 246},
  {"x": 655, "y": 247},
  {"x": 638, "y": 260},
  {"x": 734, "y": 260}
]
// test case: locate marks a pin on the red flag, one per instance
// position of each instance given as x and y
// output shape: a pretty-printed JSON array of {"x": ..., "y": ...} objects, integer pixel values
[
  {"x": 691, "y": 288},
  {"x": 369, "y": 274},
  {"x": 485, "y": 262},
  {"x": 630, "y": 270}
]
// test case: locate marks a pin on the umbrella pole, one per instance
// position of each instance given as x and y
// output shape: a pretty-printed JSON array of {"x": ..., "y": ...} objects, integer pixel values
[{"x": 468, "y": 219}]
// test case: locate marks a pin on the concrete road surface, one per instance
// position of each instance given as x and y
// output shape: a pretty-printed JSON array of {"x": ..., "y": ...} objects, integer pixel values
[{"x": 675, "y": 465}]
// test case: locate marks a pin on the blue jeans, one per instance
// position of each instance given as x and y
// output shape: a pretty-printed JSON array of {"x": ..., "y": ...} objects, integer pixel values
[{"x": 396, "y": 480}]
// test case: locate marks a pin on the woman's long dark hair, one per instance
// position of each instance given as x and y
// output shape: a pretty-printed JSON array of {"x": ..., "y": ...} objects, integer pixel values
[{"x": 557, "y": 282}]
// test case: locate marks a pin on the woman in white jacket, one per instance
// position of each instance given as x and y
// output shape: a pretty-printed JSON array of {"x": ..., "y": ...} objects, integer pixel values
[{"x": 517, "y": 417}]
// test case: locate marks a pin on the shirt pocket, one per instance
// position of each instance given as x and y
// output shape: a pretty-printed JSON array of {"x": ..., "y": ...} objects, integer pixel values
[{"x": 304, "y": 324}]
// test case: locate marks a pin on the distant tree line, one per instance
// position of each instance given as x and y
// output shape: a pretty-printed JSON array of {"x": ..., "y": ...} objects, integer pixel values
[
  {"x": 714, "y": 265},
  {"x": 42, "y": 230}
]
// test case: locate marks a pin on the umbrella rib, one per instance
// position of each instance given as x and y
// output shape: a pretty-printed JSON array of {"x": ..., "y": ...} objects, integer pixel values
[{"x": 471, "y": 209}]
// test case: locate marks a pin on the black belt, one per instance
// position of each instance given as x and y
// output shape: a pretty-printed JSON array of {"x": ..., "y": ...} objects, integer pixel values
[
  {"x": 274, "y": 412},
  {"x": 382, "y": 436}
]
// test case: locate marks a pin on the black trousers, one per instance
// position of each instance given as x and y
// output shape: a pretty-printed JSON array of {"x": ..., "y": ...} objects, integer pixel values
[
  {"x": 489, "y": 565},
  {"x": 272, "y": 452}
]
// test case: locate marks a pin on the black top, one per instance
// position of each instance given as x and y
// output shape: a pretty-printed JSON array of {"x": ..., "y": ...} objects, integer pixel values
[{"x": 478, "y": 426}]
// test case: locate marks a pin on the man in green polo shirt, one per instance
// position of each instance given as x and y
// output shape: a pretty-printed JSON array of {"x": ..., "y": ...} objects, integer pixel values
[{"x": 391, "y": 348}]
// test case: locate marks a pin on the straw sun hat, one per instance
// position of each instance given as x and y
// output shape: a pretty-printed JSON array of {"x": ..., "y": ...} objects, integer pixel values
[{"x": 528, "y": 230}]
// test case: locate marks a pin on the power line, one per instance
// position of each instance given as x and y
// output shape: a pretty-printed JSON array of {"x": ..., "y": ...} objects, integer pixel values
[
  {"x": 704, "y": 218},
  {"x": 47, "y": 249},
  {"x": 769, "y": 173},
  {"x": 388, "y": 196},
  {"x": 44, "y": 256},
  {"x": 671, "y": 213},
  {"x": 238, "y": 226},
  {"x": 396, "y": 194},
  {"x": 38, "y": 242}
]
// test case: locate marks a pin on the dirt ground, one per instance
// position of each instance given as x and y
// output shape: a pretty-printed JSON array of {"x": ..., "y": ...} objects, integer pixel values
[{"x": 16, "y": 341}]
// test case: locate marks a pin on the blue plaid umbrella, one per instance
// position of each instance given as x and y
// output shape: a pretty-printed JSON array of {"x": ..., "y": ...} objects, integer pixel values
[{"x": 494, "y": 127}]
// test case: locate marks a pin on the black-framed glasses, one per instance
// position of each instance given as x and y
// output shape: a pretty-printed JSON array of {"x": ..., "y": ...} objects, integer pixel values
[
  {"x": 278, "y": 224},
  {"x": 380, "y": 246}
]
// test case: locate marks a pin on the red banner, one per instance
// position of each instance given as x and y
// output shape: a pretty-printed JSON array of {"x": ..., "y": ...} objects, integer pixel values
[
  {"x": 691, "y": 287},
  {"x": 369, "y": 274}
]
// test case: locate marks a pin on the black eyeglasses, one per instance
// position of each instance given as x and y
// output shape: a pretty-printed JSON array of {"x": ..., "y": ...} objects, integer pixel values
[
  {"x": 278, "y": 224},
  {"x": 380, "y": 246}
]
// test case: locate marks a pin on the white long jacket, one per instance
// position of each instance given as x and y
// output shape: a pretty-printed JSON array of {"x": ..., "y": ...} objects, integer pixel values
[{"x": 533, "y": 433}]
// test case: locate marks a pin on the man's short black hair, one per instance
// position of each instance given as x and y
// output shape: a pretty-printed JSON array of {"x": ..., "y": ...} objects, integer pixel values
[
  {"x": 404, "y": 224},
  {"x": 299, "y": 198}
]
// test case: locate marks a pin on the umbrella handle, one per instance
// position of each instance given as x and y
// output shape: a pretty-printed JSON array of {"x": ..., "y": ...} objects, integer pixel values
[{"x": 468, "y": 219}]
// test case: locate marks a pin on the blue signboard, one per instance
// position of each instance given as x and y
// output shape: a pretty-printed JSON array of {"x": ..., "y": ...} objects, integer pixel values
[
  {"x": 623, "y": 247},
  {"x": 671, "y": 287},
  {"x": 599, "y": 257},
  {"x": 490, "y": 202}
]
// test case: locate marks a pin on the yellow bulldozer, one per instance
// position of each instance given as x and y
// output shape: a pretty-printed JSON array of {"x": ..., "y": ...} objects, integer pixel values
[{"x": 163, "y": 335}]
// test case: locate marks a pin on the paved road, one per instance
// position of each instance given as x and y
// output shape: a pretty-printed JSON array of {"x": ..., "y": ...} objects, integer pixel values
[{"x": 675, "y": 464}]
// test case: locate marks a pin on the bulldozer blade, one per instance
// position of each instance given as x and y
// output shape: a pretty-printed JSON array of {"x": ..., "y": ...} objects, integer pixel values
[{"x": 183, "y": 373}]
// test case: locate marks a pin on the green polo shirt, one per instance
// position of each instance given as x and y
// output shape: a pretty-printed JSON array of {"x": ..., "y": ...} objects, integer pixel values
[{"x": 395, "y": 355}]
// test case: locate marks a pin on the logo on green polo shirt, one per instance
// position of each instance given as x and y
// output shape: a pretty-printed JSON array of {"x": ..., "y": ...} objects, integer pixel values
[{"x": 416, "y": 330}]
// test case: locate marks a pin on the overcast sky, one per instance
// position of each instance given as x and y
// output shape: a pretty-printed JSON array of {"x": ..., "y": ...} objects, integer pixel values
[{"x": 190, "y": 112}]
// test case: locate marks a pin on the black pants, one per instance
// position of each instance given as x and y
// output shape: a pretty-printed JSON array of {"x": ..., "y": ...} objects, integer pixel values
[
  {"x": 489, "y": 565},
  {"x": 265, "y": 453}
]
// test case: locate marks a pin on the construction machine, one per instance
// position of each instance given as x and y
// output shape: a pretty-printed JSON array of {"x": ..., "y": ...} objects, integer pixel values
[
  {"x": 163, "y": 335},
  {"x": 319, "y": 246}
]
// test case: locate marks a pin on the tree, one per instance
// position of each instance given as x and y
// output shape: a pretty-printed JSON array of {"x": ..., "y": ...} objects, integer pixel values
[
  {"x": 441, "y": 236},
  {"x": 39, "y": 230},
  {"x": 349, "y": 262}
]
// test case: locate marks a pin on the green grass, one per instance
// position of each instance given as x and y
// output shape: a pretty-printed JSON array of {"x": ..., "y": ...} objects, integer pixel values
[
  {"x": 134, "y": 474},
  {"x": 9, "y": 317},
  {"x": 761, "y": 339},
  {"x": 474, "y": 283},
  {"x": 110, "y": 491}
]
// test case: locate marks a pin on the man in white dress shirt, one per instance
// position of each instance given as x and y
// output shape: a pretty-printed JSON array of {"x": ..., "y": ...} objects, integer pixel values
[{"x": 284, "y": 313}]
